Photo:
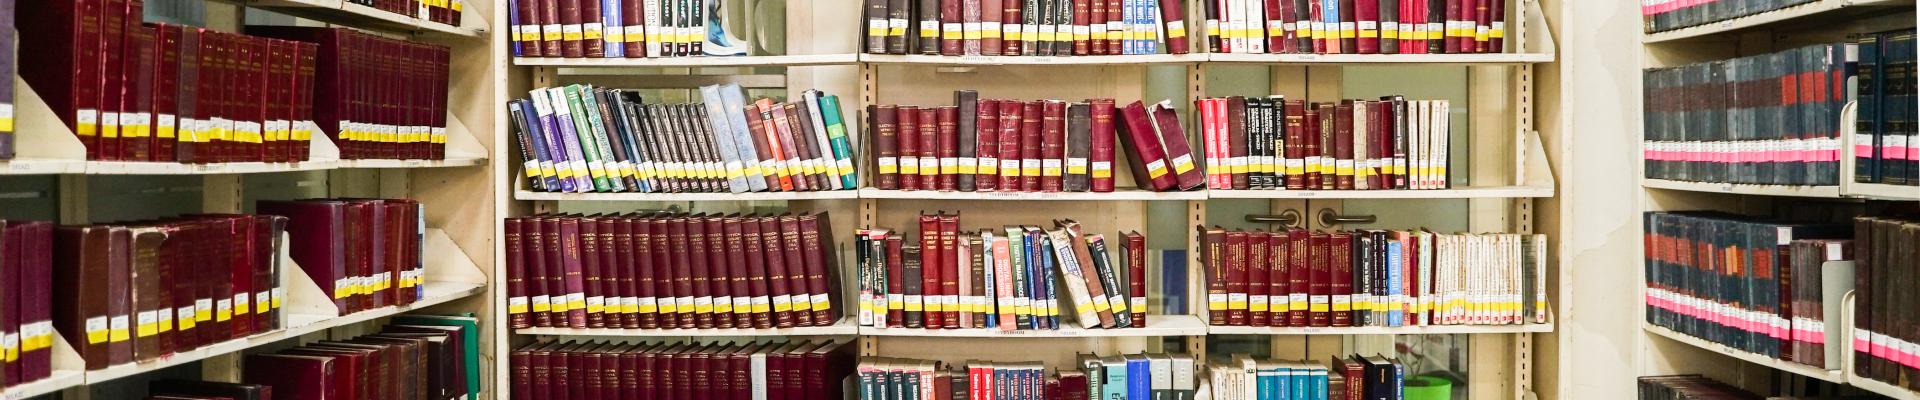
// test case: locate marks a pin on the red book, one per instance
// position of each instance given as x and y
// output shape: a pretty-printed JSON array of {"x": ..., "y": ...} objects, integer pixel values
[
  {"x": 886, "y": 146},
  {"x": 1142, "y": 147},
  {"x": 991, "y": 26},
  {"x": 779, "y": 283},
  {"x": 1009, "y": 151},
  {"x": 738, "y": 273},
  {"x": 1236, "y": 277},
  {"x": 1279, "y": 12},
  {"x": 1496, "y": 27},
  {"x": 1081, "y": 17},
  {"x": 1010, "y": 22},
  {"x": 759, "y": 281},
  {"x": 1456, "y": 16},
  {"x": 950, "y": 32},
  {"x": 1258, "y": 271},
  {"x": 1213, "y": 254},
  {"x": 1366, "y": 15},
  {"x": 1173, "y": 14},
  {"x": 1343, "y": 145},
  {"x": 1136, "y": 247},
  {"x": 63, "y": 37},
  {"x": 930, "y": 136},
  {"x": 1114, "y": 23},
  {"x": 895, "y": 306},
  {"x": 816, "y": 241},
  {"x": 987, "y": 145},
  {"x": 947, "y": 124},
  {"x": 930, "y": 271},
  {"x": 1053, "y": 145},
  {"x": 796, "y": 270},
  {"x": 950, "y": 269},
  {"x": 1030, "y": 133},
  {"x": 1277, "y": 259},
  {"x": 1320, "y": 281},
  {"x": 1342, "y": 307},
  {"x": 908, "y": 118},
  {"x": 590, "y": 260},
  {"x": 1187, "y": 172},
  {"x": 1299, "y": 275},
  {"x": 1101, "y": 154}
]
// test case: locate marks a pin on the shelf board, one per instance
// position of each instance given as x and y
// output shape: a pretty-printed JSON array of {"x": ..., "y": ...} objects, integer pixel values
[
  {"x": 360, "y": 16},
  {"x": 923, "y": 59},
  {"x": 1834, "y": 376},
  {"x": 57, "y": 381},
  {"x": 689, "y": 62},
  {"x": 172, "y": 168},
  {"x": 297, "y": 325},
  {"x": 449, "y": 162},
  {"x": 1118, "y": 195},
  {"x": 1881, "y": 191},
  {"x": 1470, "y": 58},
  {"x": 1158, "y": 325},
  {"x": 1457, "y": 193},
  {"x": 846, "y": 327},
  {"x": 1882, "y": 388},
  {"x": 41, "y": 167},
  {"x": 1823, "y": 9},
  {"x": 1747, "y": 189},
  {"x": 748, "y": 196},
  {"x": 1380, "y": 330}
]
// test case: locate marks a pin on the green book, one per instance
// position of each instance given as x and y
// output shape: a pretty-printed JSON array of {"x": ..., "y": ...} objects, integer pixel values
[
  {"x": 842, "y": 146},
  {"x": 584, "y": 130},
  {"x": 469, "y": 332},
  {"x": 601, "y": 134},
  {"x": 1016, "y": 252}
]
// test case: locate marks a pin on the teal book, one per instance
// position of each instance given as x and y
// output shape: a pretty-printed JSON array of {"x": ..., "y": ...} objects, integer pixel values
[
  {"x": 842, "y": 144},
  {"x": 1115, "y": 385},
  {"x": 601, "y": 137},
  {"x": 469, "y": 329},
  {"x": 589, "y": 148}
]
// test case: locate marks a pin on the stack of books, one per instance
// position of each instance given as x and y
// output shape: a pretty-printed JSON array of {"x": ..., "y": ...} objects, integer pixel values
[
  {"x": 1275, "y": 143},
  {"x": 1030, "y": 28},
  {"x": 1356, "y": 27},
  {"x": 1005, "y": 280},
  {"x": 1129, "y": 376},
  {"x": 1029, "y": 146},
  {"x": 681, "y": 370}
]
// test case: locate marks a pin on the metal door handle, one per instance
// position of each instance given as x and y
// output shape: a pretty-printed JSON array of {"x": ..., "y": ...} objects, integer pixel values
[
  {"x": 1289, "y": 218},
  {"x": 1329, "y": 218}
]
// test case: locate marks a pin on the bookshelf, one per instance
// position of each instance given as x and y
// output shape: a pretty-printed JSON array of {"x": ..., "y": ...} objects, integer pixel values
[
  {"x": 458, "y": 244},
  {"x": 843, "y": 327},
  {"x": 692, "y": 62},
  {"x": 1384, "y": 330},
  {"x": 1662, "y": 351}
]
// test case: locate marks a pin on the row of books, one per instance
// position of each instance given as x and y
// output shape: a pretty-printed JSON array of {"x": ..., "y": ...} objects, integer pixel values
[
  {"x": 1666, "y": 15},
  {"x": 365, "y": 253},
  {"x": 581, "y": 138},
  {"x": 411, "y": 357},
  {"x": 617, "y": 29},
  {"x": 1764, "y": 119},
  {"x": 1011, "y": 279},
  {"x": 1275, "y": 143},
  {"x": 378, "y": 98},
  {"x": 1886, "y": 139},
  {"x": 1299, "y": 278},
  {"x": 1356, "y": 27},
  {"x": 1119, "y": 377},
  {"x": 1888, "y": 252},
  {"x": 441, "y": 11},
  {"x": 1749, "y": 283},
  {"x": 1031, "y": 146},
  {"x": 140, "y": 291},
  {"x": 1244, "y": 377},
  {"x": 1690, "y": 387},
  {"x": 1030, "y": 28},
  {"x": 796, "y": 370},
  {"x": 26, "y": 289},
  {"x": 669, "y": 270}
]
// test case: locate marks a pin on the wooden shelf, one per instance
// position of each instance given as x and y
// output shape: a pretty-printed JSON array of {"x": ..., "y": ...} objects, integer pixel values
[
  {"x": 1381, "y": 330},
  {"x": 59, "y": 380},
  {"x": 1117, "y": 195},
  {"x": 691, "y": 62},
  {"x": 1809, "y": 12},
  {"x": 1458, "y": 193},
  {"x": 1747, "y": 189},
  {"x": 748, "y": 196},
  {"x": 360, "y": 16},
  {"x": 1387, "y": 59},
  {"x": 1834, "y": 376},
  {"x": 846, "y": 327},
  {"x": 297, "y": 325},
  {"x": 923, "y": 59},
  {"x": 1157, "y": 325}
]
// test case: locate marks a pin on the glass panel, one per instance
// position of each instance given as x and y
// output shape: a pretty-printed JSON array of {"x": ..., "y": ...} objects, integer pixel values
[{"x": 31, "y": 197}]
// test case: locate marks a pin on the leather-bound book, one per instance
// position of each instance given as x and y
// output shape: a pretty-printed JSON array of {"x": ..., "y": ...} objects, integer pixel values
[
  {"x": 737, "y": 273},
  {"x": 66, "y": 70},
  {"x": 976, "y": 256},
  {"x": 148, "y": 295},
  {"x": 896, "y": 286},
  {"x": 1342, "y": 149},
  {"x": 951, "y": 32},
  {"x": 929, "y": 136},
  {"x": 779, "y": 273},
  {"x": 708, "y": 278},
  {"x": 876, "y": 33},
  {"x": 908, "y": 119},
  {"x": 1012, "y": 22},
  {"x": 1142, "y": 147},
  {"x": 1081, "y": 13},
  {"x": 297, "y": 377},
  {"x": 1097, "y": 27},
  {"x": 721, "y": 274},
  {"x": 1079, "y": 146},
  {"x": 796, "y": 271},
  {"x": 1320, "y": 281},
  {"x": 816, "y": 236},
  {"x": 1349, "y": 27},
  {"x": 1257, "y": 275},
  {"x": 1349, "y": 281},
  {"x": 899, "y": 27},
  {"x": 1136, "y": 268},
  {"x": 119, "y": 290},
  {"x": 1213, "y": 244},
  {"x": 591, "y": 274},
  {"x": 1053, "y": 144},
  {"x": 927, "y": 17},
  {"x": 12, "y": 244},
  {"x": 1366, "y": 15},
  {"x": 1039, "y": 30},
  {"x": 1236, "y": 270},
  {"x": 1090, "y": 274},
  {"x": 573, "y": 272},
  {"x": 1187, "y": 172},
  {"x": 539, "y": 303},
  {"x": 679, "y": 266},
  {"x": 1299, "y": 276},
  {"x": 1100, "y": 145},
  {"x": 1294, "y": 164},
  {"x": 1009, "y": 147},
  {"x": 1496, "y": 32},
  {"x": 572, "y": 28},
  {"x": 1173, "y": 16},
  {"x": 950, "y": 269},
  {"x": 1236, "y": 124},
  {"x": 757, "y": 136},
  {"x": 1278, "y": 27},
  {"x": 967, "y": 121},
  {"x": 754, "y": 261},
  {"x": 1063, "y": 28},
  {"x": 946, "y": 124},
  {"x": 556, "y": 272},
  {"x": 886, "y": 145},
  {"x": 990, "y": 25},
  {"x": 931, "y": 270},
  {"x": 165, "y": 92},
  {"x": 1031, "y": 132},
  {"x": 649, "y": 277},
  {"x": 1277, "y": 273},
  {"x": 187, "y": 92},
  {"x": 350, "y": 367},
  {"x": 913, "y": 276},
  {"x": 790, "y": 145}
]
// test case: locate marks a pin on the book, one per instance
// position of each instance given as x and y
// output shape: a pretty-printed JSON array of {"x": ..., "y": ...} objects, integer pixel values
[
  {"x": 892, "y": 377},
  {"x": 1367, "y": 278},
  {"x": 1057, "y": 28},
  {"x": 1792, "y": 137},
  {"x": 26, "y": 320},
  {"x": 1763, "y": 292},
  {"x": 675, "y": 271}
]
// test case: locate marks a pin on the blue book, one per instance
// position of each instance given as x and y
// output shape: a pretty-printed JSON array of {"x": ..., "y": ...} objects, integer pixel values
[
  {"x": 1173, "y": 282},
  {"x": 513, "y": 19},
  {"x": 1116, "y": 382},
  {"x": 1300, "y": 383},
  {"x": 1330, "y": 17},
  {"x": 1046, "y": 284},
  {"x": 1396, "y": 312},
  {"x": 1272, "y": 383},
  {"x": 1000, "y": 381},
  {"x": 612, "y": 30},
  {"x": 1034, "y": 274},
  {"x": 1139, "y": 378},
  {"x": 1317, "y": 383}
]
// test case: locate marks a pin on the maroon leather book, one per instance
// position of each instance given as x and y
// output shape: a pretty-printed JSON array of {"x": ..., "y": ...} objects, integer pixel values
[
  {"x": 1100, "y": 155},
  {"x": 719, "y": 274},
  {"x": 702, "y": 274},
  {"x": 296, "y": 377},
  {"x": 1236, "y": 125},
  {"x": 1320, "y": 283},
  {"x": 573, "y": 34},
  {"x": 929, "y": 134},
  {"x": 737, "y": 272},
  {"x": 1031, "y": 127},
  {"x": 144, "y": 270},
  {"x": 636, "y": 280},
  {"x": 1144, "y": 154},
  {"x": 930, "y": 272},
  {"x": 12, "y": 244},
  {"x": 1082, "y": 15},
  {"x": 759, "y": 281},
  {"x": 1173, "y": 15},
  {"x": 165, "y": 93},
  {"x": 950, "y": 33},
  {"x": 1009, "y": 151},
  {"x": 517, "y": 304},
  {"x": 946, "y": 123},
  {"x": 950, "y": 268},
  {"x": 796, "y": 271},
  {"x": 573, "y": 272},
  {"x": 65, "y": 72},
  {"x": 1277, "y": 258},
  {"x": 555, "y": 271},
  {"x": 1053, "y": 144},
  {"x": 987, "y": 145},
  {"x": 895, "y": 313},
  {"x": 908, "y": 118},
  {"x": 681, "y": 264},
  {"x": 591, "y": 272},
  {"x": 1188, "y": 174},
  {"x": 1343, "y": 143},
  {"x": 1236, "y": 270},
  {"x": 349, "y": 367},
  {"x": 886, "y": 146},
  {"x": 539, "y": 303},
  {"x": 816, "y": 242},
  {"x": 1342, "y": 284},
  {"x": 667, "y": 272},
  {"x": 1136, "y": 246},
  {"x": 113, "y": 79},
  {"x": 1009, "y": 15},
  {"x": 779, "y": 283},
  {"x": 1299, "y": 272},
  {"x": 1294, "y": 115},
  {"x": 1257, "y": 275}
]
